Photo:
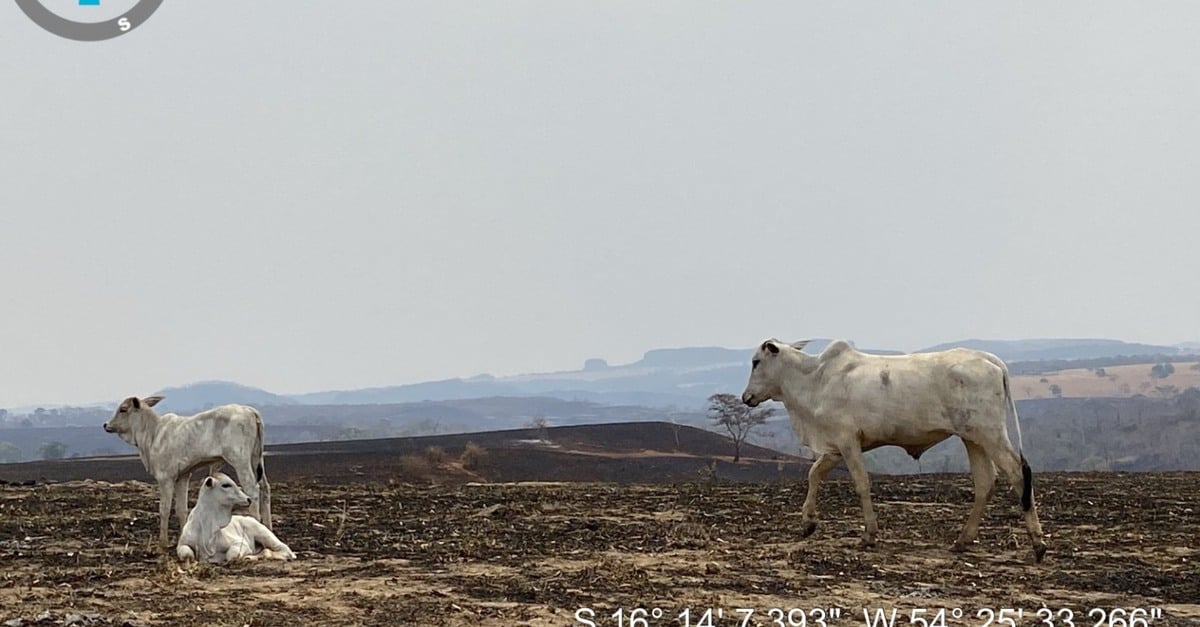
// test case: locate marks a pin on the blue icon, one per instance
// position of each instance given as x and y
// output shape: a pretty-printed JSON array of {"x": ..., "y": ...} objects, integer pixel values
[{"x": 89, "y": 3}]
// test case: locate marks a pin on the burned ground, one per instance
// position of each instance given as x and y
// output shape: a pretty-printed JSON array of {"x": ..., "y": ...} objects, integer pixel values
[{"x": 505, "y": 554}]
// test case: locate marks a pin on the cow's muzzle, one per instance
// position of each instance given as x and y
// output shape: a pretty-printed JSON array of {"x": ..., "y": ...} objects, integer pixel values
[
  {"x": 107, "y": 429},
  {"x": 749, "y": 399}
]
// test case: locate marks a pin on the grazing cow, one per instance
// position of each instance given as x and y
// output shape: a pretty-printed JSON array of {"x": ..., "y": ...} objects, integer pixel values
[
  {"x": 213, "y": 534},
  {"x": 172, "y": 446},
  {"x": 844, "y": 402}
]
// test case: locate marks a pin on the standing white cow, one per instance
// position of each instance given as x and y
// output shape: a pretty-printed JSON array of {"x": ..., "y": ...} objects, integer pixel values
[
  {"x": 844, "y": 402},
  {"x": 173, "y": 446},
  {"x": 213, "y": 534}
]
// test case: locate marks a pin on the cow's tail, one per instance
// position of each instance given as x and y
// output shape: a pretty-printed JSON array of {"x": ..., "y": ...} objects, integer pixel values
[
  {"x": 1012, "y": 407},
  {"x": 259, "y": 472},
  {"x": 1026, "y": 471}
]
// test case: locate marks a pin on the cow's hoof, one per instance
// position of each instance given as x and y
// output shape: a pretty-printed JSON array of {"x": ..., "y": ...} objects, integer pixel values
[
  {"x": 1039, "y": 552},
  {"x": 960, "y": 546},
  {"x": 808, "y": 528},
  {"x": 867, "y": 543}
]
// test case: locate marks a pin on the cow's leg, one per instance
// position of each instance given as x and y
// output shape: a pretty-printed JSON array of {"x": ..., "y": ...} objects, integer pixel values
[
  {"x": 816, "y": 474},
  {"x": 862, "y": 484},
  {"x": 166, "y": 490},
  {"x": 1020, "y": 477},
  {"x": 181, "y": 498},
  {"x": 984, "y": 474},
  {"x": 264, "y": 506},
  {"x": 246, "y": 479},
  {"x": 273, "y": 547}
]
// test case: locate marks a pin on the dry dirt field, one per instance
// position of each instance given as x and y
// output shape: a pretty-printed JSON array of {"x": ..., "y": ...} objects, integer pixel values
[{"x": 533, "y": 554}]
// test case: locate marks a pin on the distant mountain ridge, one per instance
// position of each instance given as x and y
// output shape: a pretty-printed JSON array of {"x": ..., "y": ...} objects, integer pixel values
[
  {"x": 1052, "y": 349},
  {"x": 205, "y": 394},
  {"x": 665, "y": 377}
]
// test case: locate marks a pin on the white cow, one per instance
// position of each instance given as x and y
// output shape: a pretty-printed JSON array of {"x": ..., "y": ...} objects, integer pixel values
[
  {"x": 844, "y": 402},
  {"x": 213, "y": 534},
  {"x": 172, "y": 446}
]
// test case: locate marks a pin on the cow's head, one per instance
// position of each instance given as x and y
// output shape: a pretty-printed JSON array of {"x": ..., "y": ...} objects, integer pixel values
[
  {"x": 767, "y": 372},
  {"x": 128, "y": 414},
  {"x": 223, "y": 491}
]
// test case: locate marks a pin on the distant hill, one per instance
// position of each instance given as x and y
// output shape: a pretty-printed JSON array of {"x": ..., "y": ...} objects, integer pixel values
[
  {"x": 681, "y": 377},
  {"x": 1052, "y": 349},
  {"x": 652, "y": 452},
  {"x": 205, "y": 394},
  {"x": 668, "y": 377}
]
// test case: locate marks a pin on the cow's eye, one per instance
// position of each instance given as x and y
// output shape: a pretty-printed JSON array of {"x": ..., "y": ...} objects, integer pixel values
[
  {"x": 754, "y": 363},
  {"x": 226, "y": 485}
]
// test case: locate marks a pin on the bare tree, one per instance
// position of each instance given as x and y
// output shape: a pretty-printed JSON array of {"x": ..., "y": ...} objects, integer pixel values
[
  {"x": 542, "y": 424},
  {"x": 728, "y": 411},
  {"x": 675, "y": 427},
  {"x": 1188, "y": 403}
]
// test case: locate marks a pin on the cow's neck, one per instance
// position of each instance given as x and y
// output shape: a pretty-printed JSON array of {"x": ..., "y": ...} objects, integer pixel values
[
  {"x": 210, "y": 520},
  {"x": 145, "y": 431},
  {"x": 803, "y": 385}
]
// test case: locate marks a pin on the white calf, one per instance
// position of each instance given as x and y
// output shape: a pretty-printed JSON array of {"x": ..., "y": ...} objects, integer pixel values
[
  {"x": 213, "y": 534},
  {"x": 172, "y": 446}
]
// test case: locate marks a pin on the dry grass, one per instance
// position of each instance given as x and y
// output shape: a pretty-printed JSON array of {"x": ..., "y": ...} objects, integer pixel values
[
  {"x": 473, "y": 456},
  {"x": 415, "y": 468},
  {"x": 435, "y": 455},
  {"x": 1117, "y": 381}
]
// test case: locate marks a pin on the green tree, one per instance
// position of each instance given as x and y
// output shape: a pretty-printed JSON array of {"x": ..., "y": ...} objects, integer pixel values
[
  {"x": 728, "y": 411},
  {"x": 52, "y": 450},
  {"x": 1162, "y": 371},
  {"x": 1056, "y": 390},
  {"x": 9, "y": 452}
]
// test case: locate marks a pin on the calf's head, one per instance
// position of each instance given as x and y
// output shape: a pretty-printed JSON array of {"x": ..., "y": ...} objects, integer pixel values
[
  {"x": 767, "y": 372},
  {"x": 220, "y": 490},
  {"x": 128, "y": 414}
]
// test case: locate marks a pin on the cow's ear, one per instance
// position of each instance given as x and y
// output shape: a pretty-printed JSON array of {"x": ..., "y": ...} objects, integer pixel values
[
  {"x": 134, "y": 403},
  {"x": 208, "y": 482},
  {"x": 770, "y": 347},
  {"x": 151, "y": 401},
  {"x": 800, "y": 345}
]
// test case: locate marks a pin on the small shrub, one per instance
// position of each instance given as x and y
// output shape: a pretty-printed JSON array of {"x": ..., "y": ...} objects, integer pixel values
[
  {"x": 473, "y": 456},
  {"x": 435, "y": 455},
  {"x": 414, "y": 468},
  {"x": 1162, "y": 371}
]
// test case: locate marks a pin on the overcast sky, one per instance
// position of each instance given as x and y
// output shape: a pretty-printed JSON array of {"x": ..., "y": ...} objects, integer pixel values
[{"x": 305, "y": 196}]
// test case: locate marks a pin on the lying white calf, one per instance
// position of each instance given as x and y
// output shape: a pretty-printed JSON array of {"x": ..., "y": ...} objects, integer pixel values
[{"x": 213, "y": 534}]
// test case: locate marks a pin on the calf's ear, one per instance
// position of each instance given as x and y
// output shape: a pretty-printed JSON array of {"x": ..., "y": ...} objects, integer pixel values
[
  {"x": 134, "y": 403},
  {"x": 800, "y": 345},
  {"x": 208, "y": 482},
  {"x": 151, "y": 401},
  {"x": 771, "y": 347}
]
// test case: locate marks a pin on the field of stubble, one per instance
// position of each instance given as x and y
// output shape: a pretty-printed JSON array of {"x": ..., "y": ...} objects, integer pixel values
[{"x": 377, "y": 554}]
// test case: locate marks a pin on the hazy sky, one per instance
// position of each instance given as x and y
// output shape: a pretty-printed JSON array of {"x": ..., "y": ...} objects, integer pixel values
[{"x": 311, "y": 195}]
